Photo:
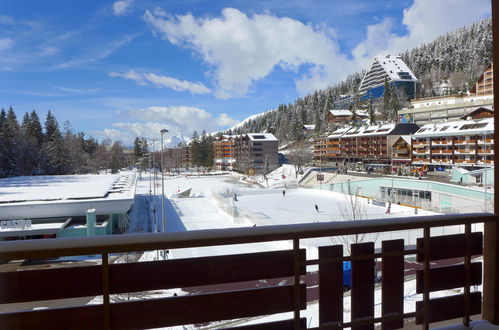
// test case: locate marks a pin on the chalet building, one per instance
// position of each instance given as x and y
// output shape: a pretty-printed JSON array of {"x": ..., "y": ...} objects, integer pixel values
[
  {"x": 485, "y": 84},
  {"x": 224, "y": 152},
  {"x": 467, "y": 143},
  {"x": 391, "y": 69},
  {"x": 451, "y": 107},
  {"x": 255, "y": 152},
  {"x": 335, "y": 118},
  {"x": 479, "y": 113},
  {"x": 369, "y": 145},
  {"x": 402, "y": 151}
]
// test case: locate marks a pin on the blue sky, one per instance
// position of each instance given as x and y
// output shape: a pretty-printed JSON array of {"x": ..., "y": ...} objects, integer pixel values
[{"x": 127, "y": 68}]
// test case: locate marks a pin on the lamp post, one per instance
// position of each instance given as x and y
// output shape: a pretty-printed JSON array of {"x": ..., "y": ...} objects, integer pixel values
[{"x": 163, "y": 131}]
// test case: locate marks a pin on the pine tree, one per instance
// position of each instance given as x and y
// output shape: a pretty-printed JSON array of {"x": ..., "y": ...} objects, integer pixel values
[
  {"x": 28, "y": 148},
  {"x": 35, "y": 127},
  {"x": 297, "y": 129},
  {"x": 55, "y": 160},
  {"x": 195, "y": 156},
  {"x": 394, "y": 105},
  {"x": 370, "y": 112},
  {"x": 3, "y": 147},
  {"x": 318, "y": 123},
  {"x": 387, "y": 98},
  {"x": 144, "y": 147},
  {"x": 355, "y": 117},
  {"x": 9, "y": 135},
  {"x": 114, "y": 164},
  {"x": 137, "y": 149},
  {"x": 51, "y": 128},
  {"x": 117, "y": 158}
]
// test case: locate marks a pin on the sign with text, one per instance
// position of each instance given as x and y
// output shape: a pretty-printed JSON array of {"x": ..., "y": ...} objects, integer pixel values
[
  {"x": 320, "y": 177},
  {"x": 15, "y": 224}
]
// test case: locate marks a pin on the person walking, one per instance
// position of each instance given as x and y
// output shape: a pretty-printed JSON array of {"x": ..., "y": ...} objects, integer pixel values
[
  {"x": 284, "y": 193},
  {"x": 316, "y": 208}
]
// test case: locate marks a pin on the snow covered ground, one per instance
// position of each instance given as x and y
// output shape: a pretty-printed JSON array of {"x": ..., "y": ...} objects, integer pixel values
[{"x": 213, "y": 205}]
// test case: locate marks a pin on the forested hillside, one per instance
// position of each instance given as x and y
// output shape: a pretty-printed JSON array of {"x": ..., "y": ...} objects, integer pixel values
[
  {"x": 28, "y": 148},
  {"x": 449, "y": 64}
]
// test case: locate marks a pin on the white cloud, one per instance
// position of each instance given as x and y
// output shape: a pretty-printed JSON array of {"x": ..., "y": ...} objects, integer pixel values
[
  {"x": 6, "y": 44},
  {"x": 424, "y": 20},
  {"x": 130, "y": 75},
  {"x": 181, "y": 121},
  {"x": 163, "y": 81},
  {"x": 80, "y": 91},
  {"x": 177, "y": 85},
  {"x": 225, "y": 121},
  {"x": 242, "y": 49},
  {"x": 122, "y": 7}
]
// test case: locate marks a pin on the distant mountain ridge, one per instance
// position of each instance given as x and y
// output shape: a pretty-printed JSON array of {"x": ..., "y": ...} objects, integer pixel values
[{"x": 454, "y": 60}]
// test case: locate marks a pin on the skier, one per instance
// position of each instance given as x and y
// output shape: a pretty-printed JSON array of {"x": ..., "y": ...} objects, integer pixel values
[
  {"x": 316, "y": 208},
  {"x": 284, "y": 193}
]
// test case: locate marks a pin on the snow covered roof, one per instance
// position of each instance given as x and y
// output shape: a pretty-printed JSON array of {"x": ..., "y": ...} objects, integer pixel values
[
  {"x": 395, "y": 67},
  {"x": 341, "y": 112},
  {"x": 339, "y": 132},
  {"x": 65, "y": 195},
  {"x": 375, "y": 130},
  {"x": 262, "y": 137},
  {"x": 388, "y": 67},
  {"x": 394, "y": 129},
  {"x": 463, "y": 127},
  {"x": 406, "y": 138}
]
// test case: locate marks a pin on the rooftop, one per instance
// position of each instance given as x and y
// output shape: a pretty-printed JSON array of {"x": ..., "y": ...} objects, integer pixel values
[
  {"x": 65, "y": 195},
  {"x": 262, "y": 137}
]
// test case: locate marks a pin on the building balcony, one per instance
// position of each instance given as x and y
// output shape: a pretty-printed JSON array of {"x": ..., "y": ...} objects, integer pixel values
[
  {"x": 442, "y": 142},
  {"x": 464, "y": 142},
  {"x": 442, "y": 152},
  {"x": 486, "y": 141},
  {"x": 253, "y": 284}
]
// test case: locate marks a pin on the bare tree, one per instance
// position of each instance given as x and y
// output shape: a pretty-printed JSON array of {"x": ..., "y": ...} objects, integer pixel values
[
  {"x": 300, "y": 156},
  {"x": 353, "y": 208}
]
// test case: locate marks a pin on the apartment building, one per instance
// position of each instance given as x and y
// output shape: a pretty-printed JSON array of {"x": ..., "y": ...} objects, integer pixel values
[
  {"x": 451, "y": 107},
  {"x": 391, "y": 69},
  {"x": 255, "y": 152},
  {"x": 224, "y": 152},
  {"x": 186, "y": 158},
  {"x": 467, "y": 143},
  {"x": 485, "y": 84},
  {"x": 369, "y": 145}
]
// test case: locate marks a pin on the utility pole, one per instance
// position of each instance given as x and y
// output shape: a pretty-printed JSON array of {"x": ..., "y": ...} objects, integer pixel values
[{"x": 163, "y": 131}]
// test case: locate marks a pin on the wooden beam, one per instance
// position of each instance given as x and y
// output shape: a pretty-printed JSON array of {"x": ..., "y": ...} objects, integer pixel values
[{"x": 491, "y": 232}]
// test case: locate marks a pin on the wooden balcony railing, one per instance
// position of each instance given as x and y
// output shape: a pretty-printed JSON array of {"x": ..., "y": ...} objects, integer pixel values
[{"x": 107, "y": 279}]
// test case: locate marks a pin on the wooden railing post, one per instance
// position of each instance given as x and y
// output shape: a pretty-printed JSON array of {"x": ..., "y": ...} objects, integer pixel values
[
  {"x": 296, "y": 291},
  {"x": 426, "y": 292},
  {"x": 105, "y": 291},
  {"x": 491, "y": 233}
]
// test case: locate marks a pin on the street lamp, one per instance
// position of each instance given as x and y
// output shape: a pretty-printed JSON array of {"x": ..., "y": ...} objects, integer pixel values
[{"x": 163, "y": 131}]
